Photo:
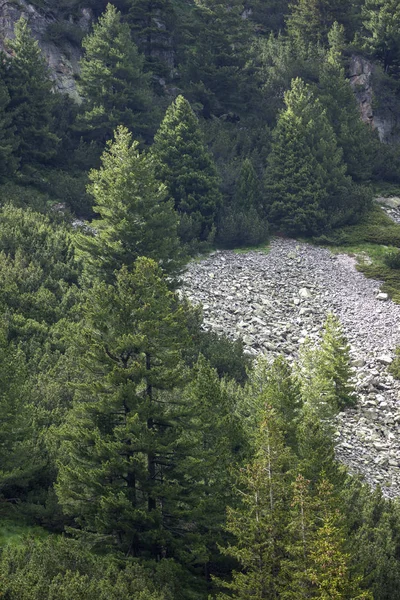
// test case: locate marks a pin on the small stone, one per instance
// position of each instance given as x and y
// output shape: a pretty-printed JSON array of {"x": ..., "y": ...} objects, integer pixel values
[
  {"x": 384, "y": 359},
  {"x": 305, "y": 293},
  {"x": 382, "y": 296}
]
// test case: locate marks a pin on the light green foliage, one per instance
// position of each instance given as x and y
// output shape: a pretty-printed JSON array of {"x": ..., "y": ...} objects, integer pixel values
[
  {"x": 112, "y": 82},
  {"x": 330, "y": 563},
  {"x": 306, "y": 183},
  {"x": 120, "y": 443},
  {"x": 136, "y": 217},
  {"x": 187, "y": 169},
  {"x": 31, "y": 101},
  {"x": 37, "y": 272},
  {"x": 259, "y": 522},
  {"x": 60, "y": 569},
  {"x": 381, "y": 19}
]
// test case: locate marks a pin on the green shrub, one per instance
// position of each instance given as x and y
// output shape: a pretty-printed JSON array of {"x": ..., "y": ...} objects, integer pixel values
[
  {"x": 394, "y": 368},
  {"x": 392, "y": 259}
]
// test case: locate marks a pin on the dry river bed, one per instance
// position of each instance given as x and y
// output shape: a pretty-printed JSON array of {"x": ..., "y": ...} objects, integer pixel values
[{"x": 275, "y": 300}]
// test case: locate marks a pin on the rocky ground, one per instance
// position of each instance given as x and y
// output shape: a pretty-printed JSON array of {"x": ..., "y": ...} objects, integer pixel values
[{"x": 275, "y": 300}]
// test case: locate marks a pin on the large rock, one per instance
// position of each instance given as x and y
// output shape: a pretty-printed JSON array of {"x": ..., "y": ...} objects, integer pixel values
[{"x": 63, "y": 61}]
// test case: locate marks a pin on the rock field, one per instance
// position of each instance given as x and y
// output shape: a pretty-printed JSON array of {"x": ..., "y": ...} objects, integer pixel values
[{"x": 275, "y": 300}]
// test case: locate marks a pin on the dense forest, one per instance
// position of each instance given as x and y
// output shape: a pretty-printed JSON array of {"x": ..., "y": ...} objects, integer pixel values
[{"x": 142, "y": 456}]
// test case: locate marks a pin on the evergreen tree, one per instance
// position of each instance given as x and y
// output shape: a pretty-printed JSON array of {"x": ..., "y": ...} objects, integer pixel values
[
  {"x": 153, "y": 23},
  {"x": 188, "y": 170},
  {"x": 8, "y": 141},
  {"x": 353, "y": 136},
  {"x": 31, "y": 101},
  {"x": 306, "y": 181},
  {"x": 20, "y": 461},
  {"x": 334, "y": 365},
  {"x": 382, "y": 22},
  {"x": 136, "y": 219},
  {"x": 259, "y": 523},
  {"x": 242, "y": 222},
  {"x": 120, "y": 445},
  {"x": 115, "y": 89},
  {"x": 310, "y": 20},
  {"x": 330, "y": 571},
  {"x": 215, "y": 58}
]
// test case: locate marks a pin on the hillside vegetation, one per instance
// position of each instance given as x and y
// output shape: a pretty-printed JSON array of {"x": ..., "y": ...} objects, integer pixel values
[{"x": 140, "y": 455}]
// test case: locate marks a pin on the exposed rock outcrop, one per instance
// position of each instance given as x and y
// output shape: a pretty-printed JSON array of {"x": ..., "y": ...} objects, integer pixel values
[
  {"x": 275, "y": 301},
  {"x": 63, "y": 61},
  {"x": 361, "y": 72}
]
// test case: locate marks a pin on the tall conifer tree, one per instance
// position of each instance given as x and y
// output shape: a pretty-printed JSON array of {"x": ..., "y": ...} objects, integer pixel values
[
  {"x": 115, "y": 89},
  {"x": 31, "y": 101},
  {"x": 306, "y": 182},
  {"x": 136, "y": 218},
  {"x": 188, "y": 170},
  {"x": 120, "y": 445}
]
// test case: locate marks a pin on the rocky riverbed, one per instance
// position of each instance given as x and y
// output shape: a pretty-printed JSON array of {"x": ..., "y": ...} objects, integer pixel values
[{"x": 276, "y": 300}]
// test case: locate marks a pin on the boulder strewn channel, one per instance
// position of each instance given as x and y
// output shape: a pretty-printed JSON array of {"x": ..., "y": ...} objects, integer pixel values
[{"x": 275, "y": 301}]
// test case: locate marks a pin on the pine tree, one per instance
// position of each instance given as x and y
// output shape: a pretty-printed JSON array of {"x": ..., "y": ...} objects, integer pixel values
[
  {"x": 329, "y": 570},
  {"x": 334, "y": 365},
  {"x": 120, "y": 445},
  {"x": 31, "y": 101},
  {"x": 153, "y": 23},
  {"x": 353, "y": 136},
  {"x": 115, "y": 89},
  {"x": 8, "y": 141},
  {"x": 136, "y": 219},
  {"x": 20, "y": 461},
  {"x": 310, "y": 20},
  {"x": 242, "y": 222},
  {"x": 187, "y": 169},
  {"x": 259, "y": 523},
  {"x": 382, "y": 22},
  {"x": 215, "y": 58},
  {"x": 306, "y": 182}
]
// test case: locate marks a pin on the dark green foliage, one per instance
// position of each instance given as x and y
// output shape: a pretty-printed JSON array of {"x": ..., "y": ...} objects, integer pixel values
[
  {"x": 187, "y": 169},
  {"x": 120, "y": 445},
  {"x": 382, "y": 23},
  {"x": 307, "y": 189},
  {"x": 311, "y": 20},
  {"x": 224, "y": 355},
  {"x": 31, "y": 101},
  {"x": 242, "y": 223},
  {"x": 354, "y": 137},
  {"x": 8, "y": 141},
  {"x": 392, "y": 259},
  {"x": 136, "y": 218},
  {"x": 112, "y": 82},
  {"x": 153, "y": 23},
  {"x": 215, "y": 58}
]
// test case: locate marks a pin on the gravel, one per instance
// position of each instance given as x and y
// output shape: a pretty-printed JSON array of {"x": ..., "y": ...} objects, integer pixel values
[{"x": 275, "y": 300}]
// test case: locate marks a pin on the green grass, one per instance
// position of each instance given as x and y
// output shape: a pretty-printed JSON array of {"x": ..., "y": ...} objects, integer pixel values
[
  {"x": 14, "y": 532},
  {"x": 370, "y": 241}
]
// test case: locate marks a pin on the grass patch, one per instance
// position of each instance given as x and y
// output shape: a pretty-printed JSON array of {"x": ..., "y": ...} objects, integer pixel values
[
  {"x": 372, "y": 241},
  {"x": 13, "y": 532}
]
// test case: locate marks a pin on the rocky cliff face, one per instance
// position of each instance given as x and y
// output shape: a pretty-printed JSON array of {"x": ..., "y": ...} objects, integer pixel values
[
  {"x": 361, "y": 73},
  {"x": 63, "y": 60}
]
